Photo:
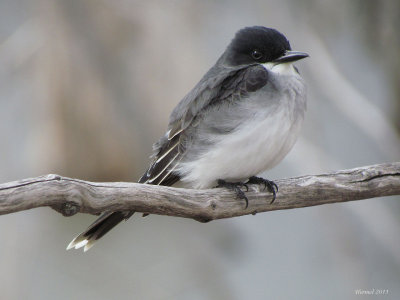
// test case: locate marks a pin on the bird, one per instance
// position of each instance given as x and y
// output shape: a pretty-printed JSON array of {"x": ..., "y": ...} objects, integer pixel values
[{"x": 241, "y": 119}]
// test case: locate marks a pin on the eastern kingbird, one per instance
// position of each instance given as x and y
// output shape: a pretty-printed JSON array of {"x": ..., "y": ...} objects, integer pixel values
[{"x": 241, "y": 119}]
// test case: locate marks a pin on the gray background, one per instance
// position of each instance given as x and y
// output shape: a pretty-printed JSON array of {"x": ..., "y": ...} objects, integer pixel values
[{"x": 86, "y": 87}]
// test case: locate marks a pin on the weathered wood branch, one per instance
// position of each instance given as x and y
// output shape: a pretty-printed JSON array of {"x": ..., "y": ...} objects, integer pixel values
[{"x": 70, "y": 196}]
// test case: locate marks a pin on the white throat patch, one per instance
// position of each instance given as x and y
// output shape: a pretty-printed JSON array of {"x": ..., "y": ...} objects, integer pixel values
[{"x": 281, "y": 69}]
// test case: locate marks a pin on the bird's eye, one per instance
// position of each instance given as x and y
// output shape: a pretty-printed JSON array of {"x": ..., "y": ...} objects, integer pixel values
[{"x": 256, "y": 54}]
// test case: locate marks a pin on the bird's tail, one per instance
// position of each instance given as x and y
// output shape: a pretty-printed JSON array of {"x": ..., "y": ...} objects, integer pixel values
[
  {"x": 109, "y": 220},
  {"x": 100, "y": 227}
]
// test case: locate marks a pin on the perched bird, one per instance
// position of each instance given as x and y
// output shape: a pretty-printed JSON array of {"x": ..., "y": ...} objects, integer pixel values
[{"x": 242, "y": 118}]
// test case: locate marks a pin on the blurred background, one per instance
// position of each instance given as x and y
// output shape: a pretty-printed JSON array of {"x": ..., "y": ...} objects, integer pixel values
[{"x": 86, "y": 87}]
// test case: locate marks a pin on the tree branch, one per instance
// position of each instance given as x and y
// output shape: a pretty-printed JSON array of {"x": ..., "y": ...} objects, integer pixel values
[{"x": 70, "y": 196}]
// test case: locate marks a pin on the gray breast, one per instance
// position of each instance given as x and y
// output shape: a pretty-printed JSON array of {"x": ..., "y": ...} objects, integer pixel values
[{"x": 281, "y": 93}]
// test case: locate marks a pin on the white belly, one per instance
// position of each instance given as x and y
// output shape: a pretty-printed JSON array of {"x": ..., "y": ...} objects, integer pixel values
[{"x": 255, "y": 147}]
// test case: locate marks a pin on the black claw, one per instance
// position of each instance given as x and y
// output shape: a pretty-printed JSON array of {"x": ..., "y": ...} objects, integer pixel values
[
  {"x": 272, "y": 186},
  {"x": 236, "y": 187}
]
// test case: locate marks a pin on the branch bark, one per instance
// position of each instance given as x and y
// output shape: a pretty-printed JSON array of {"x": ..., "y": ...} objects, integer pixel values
[{"x": 70, "y": 196}]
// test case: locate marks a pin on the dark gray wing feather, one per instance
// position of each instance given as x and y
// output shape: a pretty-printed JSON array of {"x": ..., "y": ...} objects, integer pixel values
[
  {"x": 219, "y": 84},
  {"x": 166, "y": 158}
]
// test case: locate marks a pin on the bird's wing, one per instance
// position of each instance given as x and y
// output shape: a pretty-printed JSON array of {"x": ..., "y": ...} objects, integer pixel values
[{"x": 217, "y": 85}]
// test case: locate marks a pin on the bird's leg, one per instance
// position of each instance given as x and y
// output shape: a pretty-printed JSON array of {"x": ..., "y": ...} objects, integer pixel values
[
  {"x": 272, "y": 187},
  {"x": 236, "y": 187}
]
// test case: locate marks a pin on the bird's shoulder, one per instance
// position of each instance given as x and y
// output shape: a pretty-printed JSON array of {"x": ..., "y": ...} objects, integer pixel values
[{"x": 217, "y": 85}]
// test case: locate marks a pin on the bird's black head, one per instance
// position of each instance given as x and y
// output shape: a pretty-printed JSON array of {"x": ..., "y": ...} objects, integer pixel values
[{"x": 256, "y": 44}]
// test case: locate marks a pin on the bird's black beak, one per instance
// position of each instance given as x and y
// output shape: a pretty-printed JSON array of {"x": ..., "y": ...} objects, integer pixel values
[{"x": 290, "y": 56}]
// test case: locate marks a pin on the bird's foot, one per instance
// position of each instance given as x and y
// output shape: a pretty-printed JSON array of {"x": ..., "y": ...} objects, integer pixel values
[
  {"x": 272, "y": 187},
  {"x": 236, "y": 187}
]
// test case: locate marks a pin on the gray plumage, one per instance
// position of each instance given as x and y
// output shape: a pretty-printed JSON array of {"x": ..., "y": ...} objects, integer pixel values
[{"x": 240, "y": 119}]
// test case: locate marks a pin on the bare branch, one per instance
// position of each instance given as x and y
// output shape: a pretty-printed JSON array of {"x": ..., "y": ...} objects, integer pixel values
[{"x": 70, "y": 196}]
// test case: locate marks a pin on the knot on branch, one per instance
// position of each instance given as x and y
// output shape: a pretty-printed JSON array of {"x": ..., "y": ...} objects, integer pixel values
[
  {"x": 67, "y": 209},
  {"x": 52, "y": 177}
]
